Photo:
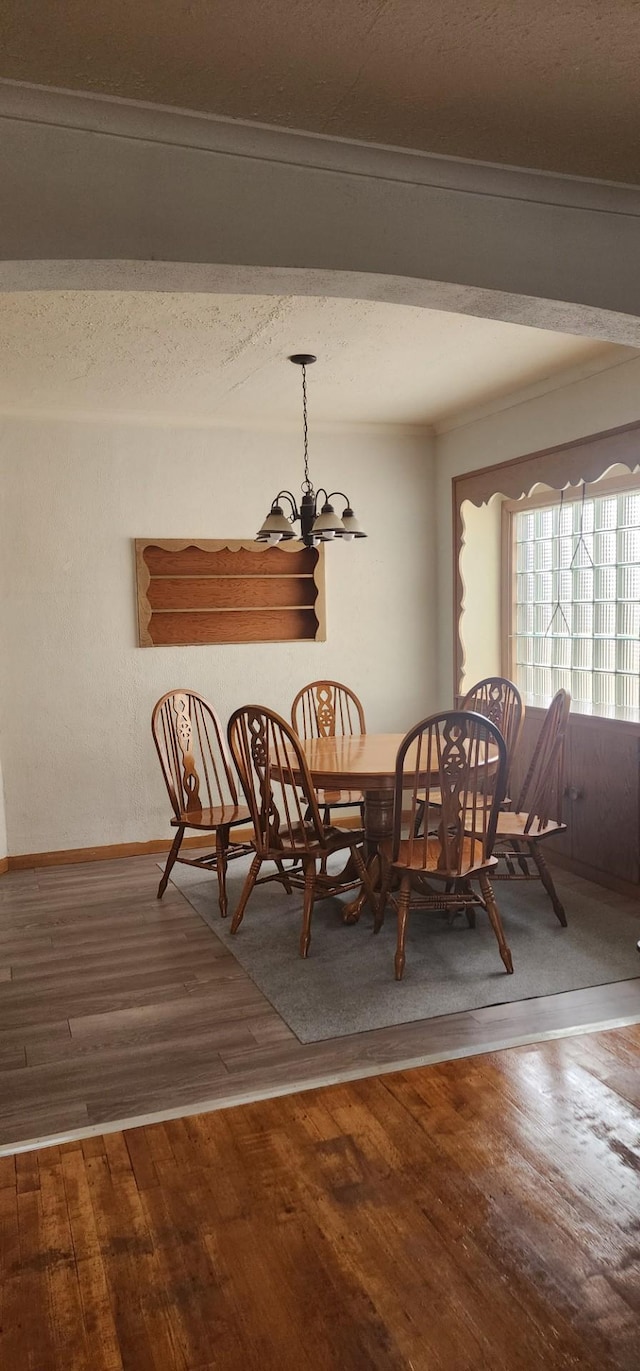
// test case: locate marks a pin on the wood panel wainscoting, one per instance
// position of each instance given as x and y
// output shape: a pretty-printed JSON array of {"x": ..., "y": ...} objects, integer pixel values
[
  {"x": 443, "y": 1217},
  {"x": 193, "y": 591},
  {"x": 601, "y": 804}
]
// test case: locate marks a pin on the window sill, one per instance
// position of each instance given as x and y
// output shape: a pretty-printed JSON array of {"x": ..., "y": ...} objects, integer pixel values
[{"x": 601, "y": 722}]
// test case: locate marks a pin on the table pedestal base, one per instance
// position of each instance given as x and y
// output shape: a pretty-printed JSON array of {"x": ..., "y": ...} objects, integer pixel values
[{"x": 378, "y": 825}]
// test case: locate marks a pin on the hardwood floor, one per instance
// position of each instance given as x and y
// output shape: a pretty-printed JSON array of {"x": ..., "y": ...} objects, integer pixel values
[
  {"x": 480, "y": 1213},
  {"x": 114, "y": 1006}
]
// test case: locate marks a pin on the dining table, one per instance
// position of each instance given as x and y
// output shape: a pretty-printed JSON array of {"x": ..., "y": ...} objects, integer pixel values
[
  {"x": 366, "y": 763},
  {"x": 360, "y": 762}
]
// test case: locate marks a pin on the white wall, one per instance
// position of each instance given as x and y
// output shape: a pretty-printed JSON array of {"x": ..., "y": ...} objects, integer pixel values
[
  {"x": 481, "y": 605},
  {"x": 77, "y": 692},
  {"x": 3, "y": 821},
  {"x": 525, "y": 425}
]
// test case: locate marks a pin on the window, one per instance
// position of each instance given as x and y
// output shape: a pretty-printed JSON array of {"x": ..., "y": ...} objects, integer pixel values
[{"x": 575, "y": 598}]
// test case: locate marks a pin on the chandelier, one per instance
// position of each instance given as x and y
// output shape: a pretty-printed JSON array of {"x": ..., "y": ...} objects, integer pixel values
[{"x": 319, "y": 523}]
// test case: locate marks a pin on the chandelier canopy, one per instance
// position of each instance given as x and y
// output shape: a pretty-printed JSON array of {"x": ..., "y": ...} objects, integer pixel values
[{"x": 319, "y": 522}]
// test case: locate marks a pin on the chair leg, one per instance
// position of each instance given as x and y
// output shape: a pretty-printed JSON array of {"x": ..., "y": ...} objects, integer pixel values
[
  {"x": 365, "y": 876},
  {"x": 246, "y": 891},
  {"x": 547, "y": 881},
  {"x": 222, "y": 843},
  {"x": 309, "y": 895},
  {"x": 285, "y": 879},
  {"x": 495, "y": 920},
  {"x": 383, "y": 893},
  {"x": 403, "y": 915},
  {"x": 171, "y": 859},
  {"x": 521, "y": 858},
  {"x": 420, "y": 813}
]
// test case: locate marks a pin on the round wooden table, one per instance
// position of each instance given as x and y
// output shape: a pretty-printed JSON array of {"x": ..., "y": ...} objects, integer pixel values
[{"x": 364, "y": 762}]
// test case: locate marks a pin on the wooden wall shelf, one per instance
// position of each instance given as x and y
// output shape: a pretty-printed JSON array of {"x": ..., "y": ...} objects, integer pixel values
[{"x": 214, "y": 591}]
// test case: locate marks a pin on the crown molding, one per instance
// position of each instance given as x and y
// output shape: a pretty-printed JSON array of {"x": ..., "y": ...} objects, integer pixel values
[
  {"x": 182, "y": 422},
  {"x": 110, "y": 116},
  {"x": 536, "y": 390}
]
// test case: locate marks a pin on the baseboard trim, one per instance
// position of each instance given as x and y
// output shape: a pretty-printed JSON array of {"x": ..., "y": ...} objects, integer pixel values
[
  {"x": 112, "y": 852},
  {"x": 71, "y": 856},
  {"x": 115, "y": 851},
  {"x": 591, "y": 873}
]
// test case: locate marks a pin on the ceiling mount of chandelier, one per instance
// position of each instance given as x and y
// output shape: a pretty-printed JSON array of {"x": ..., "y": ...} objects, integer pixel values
[{"x": 319, "y": 522}]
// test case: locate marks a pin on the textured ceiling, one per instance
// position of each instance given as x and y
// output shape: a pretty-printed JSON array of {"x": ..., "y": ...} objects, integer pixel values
[
  {"x": 533, "y": 83},
  {"x": 223, "y": 358}
]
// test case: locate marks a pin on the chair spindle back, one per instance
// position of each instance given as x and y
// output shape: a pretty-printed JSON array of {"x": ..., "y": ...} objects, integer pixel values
[
  {"x": 541, "y": 793},
  {"x": 275, "y": 779},
  {"x": 327, "y": 709},
  {"x": 465, "y": 756},
  {"x": 193, "y": 753},
  {"x": 499, "y": 700}
]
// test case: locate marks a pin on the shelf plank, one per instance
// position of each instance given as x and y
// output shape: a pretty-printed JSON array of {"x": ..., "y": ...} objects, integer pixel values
[
  {"x": 232, "y": 626},
  {"x": 231, "y": 592}
]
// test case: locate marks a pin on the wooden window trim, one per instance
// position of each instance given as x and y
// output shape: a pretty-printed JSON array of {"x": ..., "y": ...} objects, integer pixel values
[
  {"x": 583, "y": 461},
  {"x": 545, "y": 499}
]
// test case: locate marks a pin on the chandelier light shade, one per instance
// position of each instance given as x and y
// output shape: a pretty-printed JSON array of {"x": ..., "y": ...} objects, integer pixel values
[{"x": 319, "y": 522}]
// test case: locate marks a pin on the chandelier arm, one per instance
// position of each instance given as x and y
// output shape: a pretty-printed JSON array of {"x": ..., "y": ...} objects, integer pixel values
[
  {"x": 317, "y": 525},
  {"x": 286, "y": 494}
]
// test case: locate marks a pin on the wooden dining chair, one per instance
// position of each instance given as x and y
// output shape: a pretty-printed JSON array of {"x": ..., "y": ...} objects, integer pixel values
[
  {"x": 327, "y": 709},
  {"x": 499, "y": 700},
  {"x": 459, "y": 751},
  {"x": 197, "y": 771},
  {"x": 538, "y": 808},
  {"x": 286, "y": 817}
]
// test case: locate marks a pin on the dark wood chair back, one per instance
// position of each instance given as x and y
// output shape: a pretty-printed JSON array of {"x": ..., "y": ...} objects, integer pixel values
[
  {"x": 500, "y": 701},
  {"x": 327, "y": 709},
  {"x": 276, "y": 782},
  {"x": 464, "y": 755},
  {"x": 193, "y": 753},
  {"x": 540, "y": 797}
]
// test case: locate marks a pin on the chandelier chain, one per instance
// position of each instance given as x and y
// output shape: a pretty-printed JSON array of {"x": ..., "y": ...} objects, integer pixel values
[{"x": 307, "y": 485}]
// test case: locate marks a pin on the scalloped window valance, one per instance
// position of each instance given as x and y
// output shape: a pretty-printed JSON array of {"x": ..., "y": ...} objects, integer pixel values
[{"x": 570, "y": 464}]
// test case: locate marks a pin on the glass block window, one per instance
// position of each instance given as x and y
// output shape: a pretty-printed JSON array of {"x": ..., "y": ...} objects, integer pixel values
[{"x": 577, "y": 602}]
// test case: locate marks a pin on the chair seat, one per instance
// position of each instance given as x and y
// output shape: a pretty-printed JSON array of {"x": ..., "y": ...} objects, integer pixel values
[
  {"x": 333, "y": 840},
  {"x": 411, "y": 857},
  {"x": 512, "y": 825},
  {"x": 435, "y": 800},
  {"x": 335, "y": 798},
  {"x": 219, "y": 817}
]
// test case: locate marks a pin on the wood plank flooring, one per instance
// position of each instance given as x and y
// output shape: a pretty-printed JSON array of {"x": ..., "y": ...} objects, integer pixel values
[
  {"x": 114, "y": 1006},
  {"x": 480, "y": 1213}
]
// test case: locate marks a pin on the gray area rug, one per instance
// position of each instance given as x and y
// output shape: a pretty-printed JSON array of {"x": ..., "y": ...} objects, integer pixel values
[{"x": 347, "y": 984}]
